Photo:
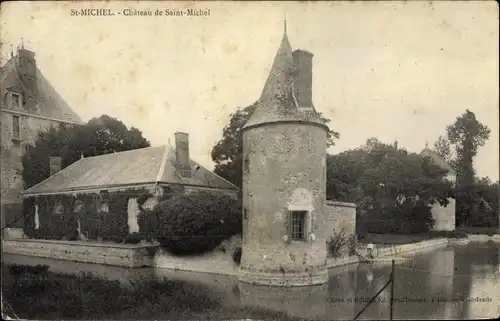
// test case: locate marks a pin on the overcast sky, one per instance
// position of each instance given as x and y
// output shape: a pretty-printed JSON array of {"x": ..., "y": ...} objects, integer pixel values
[{"x": 392, "y": 70}]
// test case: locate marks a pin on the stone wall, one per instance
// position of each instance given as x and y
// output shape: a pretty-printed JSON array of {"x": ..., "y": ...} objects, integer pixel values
[
  {"x": 216, "y": 262},
  {"x": 284, "y": 169},
  {"x": 12, "y": 151},
  {"x": 90, "y": 252},
  {"x": 340, "y": 216}
]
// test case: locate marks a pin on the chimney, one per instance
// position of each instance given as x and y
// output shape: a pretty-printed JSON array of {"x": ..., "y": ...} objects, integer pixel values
[
  {"x": 183, "y": 164},
  {"x": 55, "y": 165},
  {"x": 28, "y": 73},
  {"x": 302, "y": 61}
]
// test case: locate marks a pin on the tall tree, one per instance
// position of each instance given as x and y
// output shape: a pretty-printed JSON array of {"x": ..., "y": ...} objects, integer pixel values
[
  {"x": 98, "y": 136},
  {"x": 466, "y": 135},
  {"x": 443, "y": 149},
  {"x": 227, "y": 153}
]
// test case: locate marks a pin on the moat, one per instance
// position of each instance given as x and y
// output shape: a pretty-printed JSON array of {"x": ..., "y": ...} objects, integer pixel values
[{"x": 453, "y": 282}]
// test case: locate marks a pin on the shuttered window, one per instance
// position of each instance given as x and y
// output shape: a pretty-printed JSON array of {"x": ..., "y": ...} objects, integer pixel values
[{"x": 297, "y": 225}]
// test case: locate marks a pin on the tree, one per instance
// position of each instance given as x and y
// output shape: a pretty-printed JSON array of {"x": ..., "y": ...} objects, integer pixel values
[
  {"x": 227, "y": 153},
  {"x": 98, "y": 136},
  {"x": 443, "y": 149},
  {"x": 393, "y": 189},
  {"x": 466, "y": 135}
]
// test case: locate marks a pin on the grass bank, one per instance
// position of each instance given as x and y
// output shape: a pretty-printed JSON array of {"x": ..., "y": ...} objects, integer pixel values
[{"x": 37, "y": 293}]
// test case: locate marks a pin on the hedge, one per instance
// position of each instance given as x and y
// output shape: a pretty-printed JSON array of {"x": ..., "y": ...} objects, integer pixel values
[{"x": 193, "y": 224}]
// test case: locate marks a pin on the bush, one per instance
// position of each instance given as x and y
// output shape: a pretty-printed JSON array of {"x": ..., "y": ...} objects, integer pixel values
[
  {"x": 336, "y": 244},
  {"x": 237, "y": 255},
  {"x": 195, "y": 223},
  {"x": 134, "y": 238}
]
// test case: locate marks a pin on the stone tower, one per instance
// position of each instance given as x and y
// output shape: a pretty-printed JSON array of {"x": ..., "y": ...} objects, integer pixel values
[{"x": 284, "y": 179}]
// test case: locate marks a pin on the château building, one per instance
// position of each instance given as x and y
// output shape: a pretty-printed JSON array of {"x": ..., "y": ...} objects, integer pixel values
[{"x": 29, "y": 105}]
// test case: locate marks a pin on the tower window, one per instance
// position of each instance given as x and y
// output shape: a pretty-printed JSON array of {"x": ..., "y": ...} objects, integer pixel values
[
  {"x": 298, "y": 225},
  {"x": 16, "y": 133}
]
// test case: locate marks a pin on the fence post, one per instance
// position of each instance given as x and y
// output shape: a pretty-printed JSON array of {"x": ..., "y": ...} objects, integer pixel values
[{"x": 392, "y": 289}]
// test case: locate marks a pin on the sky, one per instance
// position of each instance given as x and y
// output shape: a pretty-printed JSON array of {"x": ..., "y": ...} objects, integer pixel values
[{"x": 391, "y": 70}]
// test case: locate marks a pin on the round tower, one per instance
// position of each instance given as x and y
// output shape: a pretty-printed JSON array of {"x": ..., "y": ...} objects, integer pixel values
[{"x": 284, "y": 179}]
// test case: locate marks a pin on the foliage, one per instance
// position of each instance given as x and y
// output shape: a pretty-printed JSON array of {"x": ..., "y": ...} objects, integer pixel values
[
  {"x": 443, "y": 148},
  {"x": 484, "y": 204},
  {"x": 148, "y": 219},
  {"x": 351, "y": 244},
  {"x": 134, "y": 238},
  {"x": 94, "y": 223},
  {"x": 227, "y": 153},
  {"x": 99, "y": 136},
  {"x": 237, "y": 255},
  {"x": 464, "y": 137},
  {"x": 85, "y": 296},
  {"x": 196, "y": 223},
  {"x": 336, "y": 244},
  {"x": 392, "y": 188}
]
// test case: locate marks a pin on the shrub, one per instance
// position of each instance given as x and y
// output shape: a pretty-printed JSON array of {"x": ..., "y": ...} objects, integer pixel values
[
  {"x": 196, "y": 223},
  {"x": 336, "y": 244},
  {"x": 351, "y": 244},
  {"x": 134, "y": 238},
  {"x": 237, "y": 255}
]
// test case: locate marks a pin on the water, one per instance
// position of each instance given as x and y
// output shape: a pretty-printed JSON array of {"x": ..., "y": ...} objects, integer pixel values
[{"x": 454, "y": 282}]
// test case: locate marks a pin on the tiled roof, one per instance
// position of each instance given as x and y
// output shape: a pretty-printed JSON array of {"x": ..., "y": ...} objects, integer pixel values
[
  {"x": 130, "y": 168},
  {"x": 277, "y": 101},
  {"x": 437, "y": 159},
  {"x": 51, "y": 104}
]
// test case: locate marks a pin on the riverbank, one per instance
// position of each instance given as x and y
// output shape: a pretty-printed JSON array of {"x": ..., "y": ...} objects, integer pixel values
[
  {"x": 37, "y": 293},
  {"x": 133, "y": 256},
  {"x": 385, "y": 252}
]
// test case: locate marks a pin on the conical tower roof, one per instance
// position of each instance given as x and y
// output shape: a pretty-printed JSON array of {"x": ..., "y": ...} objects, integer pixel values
[{"x": 277, "y": 101}]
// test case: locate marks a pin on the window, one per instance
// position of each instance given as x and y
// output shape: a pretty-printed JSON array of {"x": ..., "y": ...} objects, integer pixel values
[
  {"x": 16, "y": 100},
  {"x": 102, "y": 203},
  {"x": 58, "y": 208},
  {"x": 15, "y": 127},
  {"x": 245, "y": 213},
  {"x": 298, "y": 225},
  {"x": 104, "y": 207},
  {"x": 78, "y": 206}
]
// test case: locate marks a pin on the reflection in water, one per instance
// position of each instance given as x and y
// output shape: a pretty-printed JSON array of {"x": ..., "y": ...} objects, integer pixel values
[{"x": 445, "y": 283}]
